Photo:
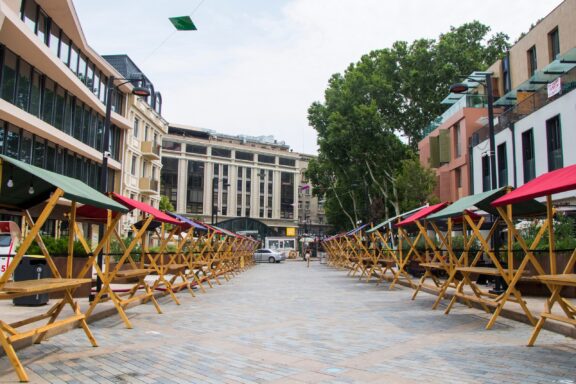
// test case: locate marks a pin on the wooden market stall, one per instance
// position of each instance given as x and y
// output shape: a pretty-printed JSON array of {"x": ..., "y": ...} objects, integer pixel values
[
  {"x": 128, "y": 269},
  {"x": 560, "y": 180},
  {"x": 22, "y": 187},
  {"x": 472, "y": 212},
  {"x": 416, "y": 225}
]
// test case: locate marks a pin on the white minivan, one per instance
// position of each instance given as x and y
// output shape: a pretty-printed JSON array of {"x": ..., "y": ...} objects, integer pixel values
[{"x": 9, "y": 239}]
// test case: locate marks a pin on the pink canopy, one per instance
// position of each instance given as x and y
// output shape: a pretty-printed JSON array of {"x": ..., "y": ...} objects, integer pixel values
[
  {"x": 421, "y": 214},
  {"x": 560, "y": 180}
]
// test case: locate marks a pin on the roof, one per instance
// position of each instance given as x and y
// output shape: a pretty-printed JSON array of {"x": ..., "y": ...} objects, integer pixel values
[
  {"x": 479, "y": 201},
  {"x": 145, "y": 208},
  {"x": 43, "y": 183},
  {"x": 392, "y": 219},
  {"x": 185, "y": 220},
  {"x": 421, "y": 214},
  {"x": 560, "y": 180},
  {"x": 355, "y": 230}
]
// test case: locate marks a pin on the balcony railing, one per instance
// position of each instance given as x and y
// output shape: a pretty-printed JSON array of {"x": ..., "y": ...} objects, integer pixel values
[
  {"x": 531, "y": 104},
  {"x": 467, "y": 101},
  {"x": 150, "y": 149},
  {"x": 148, "y": 185}
]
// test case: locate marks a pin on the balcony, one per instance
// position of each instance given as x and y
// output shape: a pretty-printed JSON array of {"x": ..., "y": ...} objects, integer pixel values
[
  {"x": 150, "y": 150},
  {"x": 465, "y": 101},
  {"x": 148, "y": 186}
]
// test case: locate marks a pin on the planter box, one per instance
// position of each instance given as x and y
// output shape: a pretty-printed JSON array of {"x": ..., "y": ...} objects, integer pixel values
[
  {"x": 84, "y": 289},
  {"x": 535, "y": 288}
]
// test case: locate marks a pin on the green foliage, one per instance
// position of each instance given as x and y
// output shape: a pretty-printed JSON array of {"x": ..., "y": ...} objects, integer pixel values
[
  {"x": 116, "y": 249},
  {"x": 564, "y": 234},
  {"x": 165, "y": 204},
  {"x": 391, "y": 92},
  {"x": 57, "y": 247},
  {"x": 415, "y": 185}
]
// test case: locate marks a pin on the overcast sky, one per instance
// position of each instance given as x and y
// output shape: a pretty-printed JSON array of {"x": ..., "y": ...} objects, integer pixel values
[{"x": 255, "y": 66}]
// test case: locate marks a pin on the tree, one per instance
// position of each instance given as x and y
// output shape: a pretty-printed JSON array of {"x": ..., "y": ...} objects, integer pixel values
[
  {"x": 165, "y": 204},
  {"x": 374, "y": 114}
]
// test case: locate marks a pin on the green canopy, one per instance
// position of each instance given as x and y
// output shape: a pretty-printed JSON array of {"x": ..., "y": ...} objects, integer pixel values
[
  {"x": 183, "y": 23},
  {"x": 24, "y": 186},
  {"x": 481, "y": 201}
]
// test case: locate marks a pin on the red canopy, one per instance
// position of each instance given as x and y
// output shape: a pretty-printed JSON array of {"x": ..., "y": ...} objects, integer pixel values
[
  {"x": 560, "y": 180},
  {"x": 421, "y": 214},
  {"x": 94, "y": 213},
  {"x": 143, "y": 207}
]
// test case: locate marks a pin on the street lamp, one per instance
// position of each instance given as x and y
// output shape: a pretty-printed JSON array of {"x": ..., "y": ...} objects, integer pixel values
[
  {"x": 487, "y": 82},
  {"x": 106, "y": 153}
]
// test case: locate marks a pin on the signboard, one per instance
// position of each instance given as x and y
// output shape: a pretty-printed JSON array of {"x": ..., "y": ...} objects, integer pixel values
[
  {"x": 290, "y": 231},
  {"x": 555, "y": 87}
]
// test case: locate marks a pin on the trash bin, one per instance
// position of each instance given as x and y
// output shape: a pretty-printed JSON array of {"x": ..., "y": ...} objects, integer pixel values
[{"x": 30, "y": 268}]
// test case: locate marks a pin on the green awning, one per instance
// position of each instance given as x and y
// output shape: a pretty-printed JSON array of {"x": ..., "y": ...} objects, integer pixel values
[
  {"x": 481, "y": 201},
  {"x": 183, "y": 23},
  {"x": 32, "y": 185}
]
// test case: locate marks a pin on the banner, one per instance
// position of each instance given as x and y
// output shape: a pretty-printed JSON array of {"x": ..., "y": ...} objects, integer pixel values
[{"x": 555, "y": 87}]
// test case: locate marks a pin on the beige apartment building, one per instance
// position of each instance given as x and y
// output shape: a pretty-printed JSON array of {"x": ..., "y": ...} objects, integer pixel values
[
  {"x": 236, "y": 181},
  {"x": 142, "y": 143}
]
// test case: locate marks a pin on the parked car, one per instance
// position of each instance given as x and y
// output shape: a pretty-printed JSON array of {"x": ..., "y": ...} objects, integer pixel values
[{"x": 268, "y": 255}]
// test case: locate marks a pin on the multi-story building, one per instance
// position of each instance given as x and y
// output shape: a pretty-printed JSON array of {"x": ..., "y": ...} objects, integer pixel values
[
  {"x": 529, "y": 133},
  {"x": 445, "y": 147},
  {"x": 53, "y": 93},
  {"x": 143, "y": 142},
  {"x": 311, "y": 217},
  {"x": 537, "y": 78},
  {"x": 221, "y": 178}
]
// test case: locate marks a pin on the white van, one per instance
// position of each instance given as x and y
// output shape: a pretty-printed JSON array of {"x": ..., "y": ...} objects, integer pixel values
[{"x": 9, "y": 239}]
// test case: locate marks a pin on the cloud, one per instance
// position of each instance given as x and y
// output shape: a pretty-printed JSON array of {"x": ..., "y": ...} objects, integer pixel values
[{"x": 255, "y": 67}]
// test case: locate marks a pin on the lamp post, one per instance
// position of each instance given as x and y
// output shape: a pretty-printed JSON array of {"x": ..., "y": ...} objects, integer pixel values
[
  {"x": 106, "y": 150},
  {"x": 462, "y": 88}
]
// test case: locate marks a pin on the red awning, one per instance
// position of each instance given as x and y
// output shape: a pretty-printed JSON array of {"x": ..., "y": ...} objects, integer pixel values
[
  {"x": 560, "y": 180},
  {"x": 98, "y": 214},
  {"x": 143, "y": 207},
  {"x": 421, "y": 214}
]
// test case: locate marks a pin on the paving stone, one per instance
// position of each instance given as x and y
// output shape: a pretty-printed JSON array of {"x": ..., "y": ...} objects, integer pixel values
[{"x": 284, "y": 323}]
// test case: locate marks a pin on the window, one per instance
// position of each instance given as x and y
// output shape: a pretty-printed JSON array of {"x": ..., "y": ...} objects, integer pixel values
[
  {"x": 286, "y": 195},
  {"x": 42, "y": 26},
  {"x": 458, "y": 174},
  {"x": 39, "y": 152},
  {"x": 221, "y": 152},
  {"x": 136, "y": 127},
  {"x": 195, "y": 189},
  {"x": 12, "y": 142},
  {"x": 9, "y": 76},
  {"x": 171, "y": 145},
  {"x": 266, "y": 159},
  {"x": 554, "y": 143},
  {"x": 244, "y": 156},
  {"x": 169, "y": 179},
  {"x": 82, "y": 67},
  {"x": 48, "y": 100},
  {"x": 502, "y": 162},
  {"x": 29, "y": 13},
  {"x": 26, "y": 147},
  {"x": 191, "y": 148},
  {"x": 553, "y": 44},
  {"x": 486, "y": 182},
  {"x": 287, "y": 162},
  {"x": 65, "y": 48},
  {"x": 528, "y": 160},
  {"x": 23, "y": 89},
  {"x": 532, "y": 60},
  {"x": 60, "y": 104},
  {"x": 54, "y": 41},
  {"x": 34, "y": 108},
  {"x": 73, "y": 59},
  {"x": 457, "y": 141}
]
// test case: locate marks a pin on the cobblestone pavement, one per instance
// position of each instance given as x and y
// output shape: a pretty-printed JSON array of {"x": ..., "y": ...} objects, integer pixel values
[{"x": 284, "y": 323}]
